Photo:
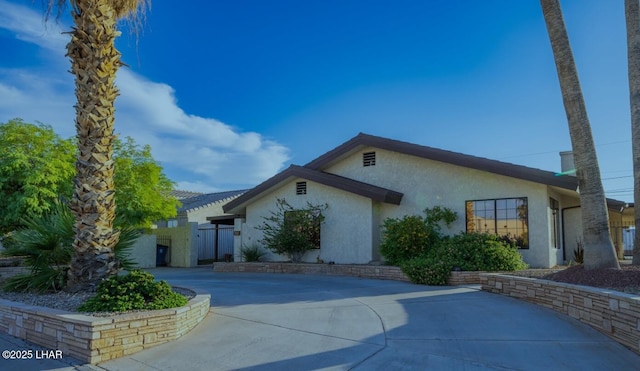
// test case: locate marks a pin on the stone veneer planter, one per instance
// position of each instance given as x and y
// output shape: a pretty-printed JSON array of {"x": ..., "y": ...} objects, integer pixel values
[
  {"x": 384, "y": 272},
  {"x": 613, "y": 313},
  {"x": 355, "y": 270},
  {"x": 97, "y": 339}
]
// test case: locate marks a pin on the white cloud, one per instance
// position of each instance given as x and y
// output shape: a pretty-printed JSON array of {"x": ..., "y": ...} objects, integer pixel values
[
  {"x": 199, "y": 153},
  {"x": 28, "y": 25}
]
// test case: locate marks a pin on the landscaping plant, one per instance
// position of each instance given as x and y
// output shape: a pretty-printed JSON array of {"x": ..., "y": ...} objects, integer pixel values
[
  {"x": 465, "y": 252},
  {"x": 292, "y": 232},
  {"x": 417, "y": 245},
  {"x": 251, "y": 253},
  {"x": 136, "y": 290},
  {"x": 45, "y": 242},
  {"x": 427, "y": 270},
  {"x": 481, "y": 252},
  {"x": 413, "y": 235},
  {"x": 578, "y": 252}
]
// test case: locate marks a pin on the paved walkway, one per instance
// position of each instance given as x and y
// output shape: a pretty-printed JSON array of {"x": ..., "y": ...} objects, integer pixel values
[{"x": 297, "y": 322}]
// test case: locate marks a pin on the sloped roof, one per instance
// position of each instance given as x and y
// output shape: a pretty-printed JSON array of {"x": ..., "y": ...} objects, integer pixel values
[
  {"x": 181, "y": 195},
  {"x": 360, "y": 188},
  {"x": 314, "y": 170},
  {"x": 204, "y": 199},
  {"x": 454, "y": 158}
]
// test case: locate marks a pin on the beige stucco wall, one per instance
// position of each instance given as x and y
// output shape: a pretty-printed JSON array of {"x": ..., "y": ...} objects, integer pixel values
[
  {"x": 345, "y": 236},
  {"x": 352, "y": 226},
  {"x": 427, "y": 183},
  {"x": 143, "y": 251},
  {"x": 184, "y": 244},
  {"x": 200, "y": 214}
]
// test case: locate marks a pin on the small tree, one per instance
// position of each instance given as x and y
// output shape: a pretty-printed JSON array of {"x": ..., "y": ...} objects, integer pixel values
[
  {"x": 36, "y": 167},
  {"x": 292, "y": 232},
  {"x": 142, "y": 189}
]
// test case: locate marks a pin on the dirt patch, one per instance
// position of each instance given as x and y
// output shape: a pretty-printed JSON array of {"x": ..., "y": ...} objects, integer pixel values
[{"x": 627, "y": 279}]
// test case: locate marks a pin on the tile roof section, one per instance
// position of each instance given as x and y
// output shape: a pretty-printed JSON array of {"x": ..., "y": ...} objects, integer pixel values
[
  {"x": 181, "y": 195},
  {"x": 332, "y": 180},
  {"x": 205, "y": 199},
  {"x": 454, "y": 158}
]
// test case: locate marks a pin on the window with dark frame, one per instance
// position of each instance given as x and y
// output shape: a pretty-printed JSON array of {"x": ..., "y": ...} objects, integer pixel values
[
  {"x": 305, "y": 222},
  {"x": 301, "y": 188},
  {"x": 505, "y": 217},
  {"x": 369, "y": 159}
]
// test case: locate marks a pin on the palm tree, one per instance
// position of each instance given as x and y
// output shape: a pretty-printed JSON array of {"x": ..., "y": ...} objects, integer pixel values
[
  {"x": 632, "y": 15},
  {"x": 598, "y": 248},
  {"x": 94, "y": 62}
]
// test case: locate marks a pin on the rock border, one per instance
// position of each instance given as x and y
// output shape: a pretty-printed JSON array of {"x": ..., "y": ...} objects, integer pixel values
[
  {"x": 355, "y": 270},
  {"x": 381, "y": 272},
  {"x": 97, "y": 339},
  {"x": 613, "y": 313}
]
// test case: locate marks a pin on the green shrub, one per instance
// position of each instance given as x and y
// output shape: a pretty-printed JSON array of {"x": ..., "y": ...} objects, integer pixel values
[
  {"x": 136, "y": 290},
  {"x": 292, "y": 232},
  {"x": 427, "y": 270},
  {"x": 481, "y": 252},
  {"x": 46, "y": 243},
  {"x": 251, "y": 253},
  {"x": 465, "y": 251},
  {"x": 413, "y": 235}
]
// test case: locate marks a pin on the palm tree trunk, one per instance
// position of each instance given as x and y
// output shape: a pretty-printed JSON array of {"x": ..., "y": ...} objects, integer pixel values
[
  {"x": 632, "y": 15},
  {"x": 94, "y": 62},
  {"x": 598, "y": 248}
]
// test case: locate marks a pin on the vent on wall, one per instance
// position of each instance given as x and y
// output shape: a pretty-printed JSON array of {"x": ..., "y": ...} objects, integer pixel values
[
  {"x": 301, "y": 188},
  {"x": 368, "y": 159}
]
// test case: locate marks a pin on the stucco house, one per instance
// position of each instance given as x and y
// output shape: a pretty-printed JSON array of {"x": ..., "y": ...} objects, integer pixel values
[
  {"x": 369, "y": 178},
  {"x": 201, "y": 208}
]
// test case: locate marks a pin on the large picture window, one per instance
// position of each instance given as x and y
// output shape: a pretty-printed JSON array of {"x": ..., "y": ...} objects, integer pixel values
[{"x": 506, "y": 217}]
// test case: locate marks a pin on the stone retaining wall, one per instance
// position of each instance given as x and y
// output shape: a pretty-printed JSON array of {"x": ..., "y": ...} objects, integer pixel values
[
  {"x": 383, "y": 272},
  {"x": 7, "y": 272},
  {"x": 464, "y": 278},
  {"x": 613, "y": 313},
  {"x": 97, "y": 339},
  {"x": 355, "y": 270}
]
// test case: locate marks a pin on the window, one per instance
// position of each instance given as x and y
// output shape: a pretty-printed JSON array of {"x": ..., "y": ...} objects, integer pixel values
[
  {"x": 305, "y": 222},
  {"x": 507, "y": 217},
  {"x": 301, "y": 188},
  {"x": 172, "y": 223},
  {"x": 369, "y": 159},
  {"x": 554, "y": 205}
]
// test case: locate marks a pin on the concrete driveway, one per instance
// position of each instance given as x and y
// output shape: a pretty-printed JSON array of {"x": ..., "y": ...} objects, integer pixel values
[{"x": 298, "y": 322}]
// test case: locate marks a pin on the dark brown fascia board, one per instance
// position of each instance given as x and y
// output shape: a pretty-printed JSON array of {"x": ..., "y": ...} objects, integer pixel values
[
  {"x": 618, "y": 205},
  {"x": 360, "y": 188},
  {"x": 353, "y": 186},
  {"x": 454, "y": 158}
]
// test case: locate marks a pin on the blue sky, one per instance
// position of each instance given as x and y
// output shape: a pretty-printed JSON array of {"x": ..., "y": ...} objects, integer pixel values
[{"x": 228, "y": 93}]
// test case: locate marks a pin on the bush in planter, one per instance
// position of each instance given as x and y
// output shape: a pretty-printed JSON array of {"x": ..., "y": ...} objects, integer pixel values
[
  {"x": 482, "y": 252},
  {"x": 427, "y": 270},
  {"x": 578, "y": 252},
  {"x": 413, "y": 235},
  {"x": 251, "y": 253},
  {"x": 45, "y": 242},
  {"x": 465, "y": 251},
  {"x": 292, "y": 232},
  {"x": 136, "y": 290}
]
